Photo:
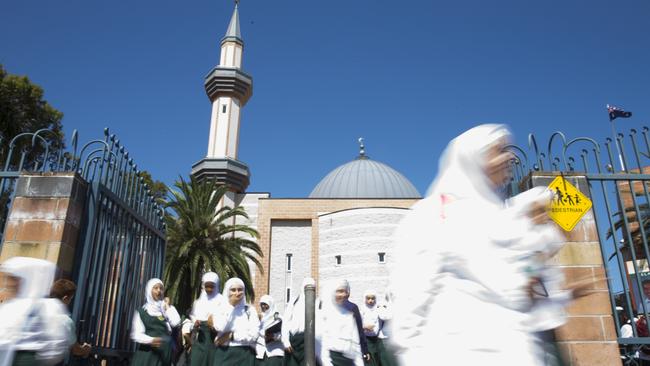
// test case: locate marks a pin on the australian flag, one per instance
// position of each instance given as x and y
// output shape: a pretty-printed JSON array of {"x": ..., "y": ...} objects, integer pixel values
[{"x": 617, "y": 112}]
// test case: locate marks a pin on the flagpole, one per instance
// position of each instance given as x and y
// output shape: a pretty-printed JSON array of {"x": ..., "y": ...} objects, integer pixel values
[{"x": 618, "y": 149}]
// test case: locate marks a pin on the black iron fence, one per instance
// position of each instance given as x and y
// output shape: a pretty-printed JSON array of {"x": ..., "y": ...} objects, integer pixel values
[
  {"x": 122, "y": 241},
  {"x": 618, "y": 175}
]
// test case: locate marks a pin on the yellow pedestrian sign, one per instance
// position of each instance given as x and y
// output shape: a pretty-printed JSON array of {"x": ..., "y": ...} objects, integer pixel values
[{"x": 568, "y": 205}]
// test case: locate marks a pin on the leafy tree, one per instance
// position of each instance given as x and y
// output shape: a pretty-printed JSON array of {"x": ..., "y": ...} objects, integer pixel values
[
  {"x": 23, "y": 109},
  {"x": 158, "y": 189},
  {"x": 201, "y": 237}
]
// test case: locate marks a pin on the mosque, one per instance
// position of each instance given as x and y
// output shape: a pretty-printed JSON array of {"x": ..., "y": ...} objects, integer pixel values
[{"x": 342, "y": 230}]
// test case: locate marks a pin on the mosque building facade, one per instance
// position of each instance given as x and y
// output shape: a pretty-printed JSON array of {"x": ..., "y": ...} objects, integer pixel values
[{"x": 343, "y": 229}]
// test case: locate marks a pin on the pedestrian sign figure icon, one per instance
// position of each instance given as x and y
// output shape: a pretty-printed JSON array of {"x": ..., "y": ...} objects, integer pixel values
[{"x": 569, "y": 205}]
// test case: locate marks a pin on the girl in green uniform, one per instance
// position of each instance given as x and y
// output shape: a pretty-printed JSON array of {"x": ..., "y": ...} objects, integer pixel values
[
  {"x": 344, "y": 343},
  {"x": 151, "y": 328},
  {"x": 387, "y": 357},
  {"x": 270, "y": 351},
  {"x": 237, "y": 326},
  {"x": 202, "y": 333},
  {"x": 373, "y": 323}
]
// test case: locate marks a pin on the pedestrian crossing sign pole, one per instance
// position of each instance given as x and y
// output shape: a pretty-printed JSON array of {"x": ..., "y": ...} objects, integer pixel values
[{"x": 569, "y": 205}]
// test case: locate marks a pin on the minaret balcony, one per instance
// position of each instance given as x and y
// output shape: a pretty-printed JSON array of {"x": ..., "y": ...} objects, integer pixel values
[
  {"x": 230, "y": 172},
  {"x": 230, "y": 82}
]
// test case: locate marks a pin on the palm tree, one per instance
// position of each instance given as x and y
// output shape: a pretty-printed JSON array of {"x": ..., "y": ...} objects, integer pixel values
[{"x": 202, "y": 237}]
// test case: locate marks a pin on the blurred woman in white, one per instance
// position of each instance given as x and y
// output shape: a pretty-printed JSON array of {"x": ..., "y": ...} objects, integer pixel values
[
  {"x": 270, "y": 351},
  {"x": 152, "y": 326},
  {"x": 31, "y": 325},
  {"x": 203, "y": 335},
  {"x": 237, "y": 326},
  {"x": 472, "y": 257},
  {"x": 340, "y": 328}
]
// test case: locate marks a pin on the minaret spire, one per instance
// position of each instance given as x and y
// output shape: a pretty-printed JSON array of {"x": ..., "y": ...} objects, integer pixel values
[
  {"x": 228, "y": 88},
  {"x": 233, "y": 33}
]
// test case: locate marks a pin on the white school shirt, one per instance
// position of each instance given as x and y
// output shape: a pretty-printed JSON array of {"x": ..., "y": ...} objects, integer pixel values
[
  {"x": 370, "y": 316},
  {"x": 138, "y": 329},
  {"x": 38, "y": 325},
  {"x": 385, "y": 315},
  {"x": 241, "y": 320},
  {"x": 340, "y": 334}
]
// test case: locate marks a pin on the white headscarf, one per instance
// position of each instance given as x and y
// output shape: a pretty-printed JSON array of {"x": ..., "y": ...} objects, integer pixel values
[
  {"x": 36, "y": 276},
  {"x": 461, "y": 170},
  {"x": 153, "y": 307},
  {"x": 370, "y": 314},
  {"x": 226, "y": 290},
  {"x": 206, "y": 305},
  {"x": 370, "y": 292},
  {"x": 30, "y": 321},
  {"x": 210, "y": 277},
  {"x": 330, "y": 290},
  {"x": 269, "y": 315},
  {"x": 295, "y": 312}
]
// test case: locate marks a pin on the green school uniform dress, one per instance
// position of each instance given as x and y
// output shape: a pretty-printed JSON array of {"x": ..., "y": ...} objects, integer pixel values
[
  {"x": 203, "y": 346},
  {"x": 234, "y": 356},
  {"x": 270, "y": 361},
  {"x": 339, "y": 360},
  {"x": 25, "y": 358},
  {"x": 380, "y": 355},
  {"x": 145, "y": 354},
  {"x": 297, "y": 357}
]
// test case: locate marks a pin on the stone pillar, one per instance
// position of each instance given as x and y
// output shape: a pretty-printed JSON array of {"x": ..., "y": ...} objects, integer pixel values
[
  {"x": 589, "y": 336},
  {"x": 45, "y": 218}
]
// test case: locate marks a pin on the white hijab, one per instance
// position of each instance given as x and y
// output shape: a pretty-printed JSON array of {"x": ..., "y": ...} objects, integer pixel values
[
  {"x": 226, "y": 291},
  {"x": 295, "y": 314},
  {"x": 269, "y": 315},
  {"x": 36, "y": 276},
  {"x": 461, "y": 170},
  {"x": 370, "y": 292},
  {"x": 206, "y": 305},
  {"x": 335, "y": 286},
  {"x": 369, "y": 314},
  {"x": 153, "y": 307},
  {"x": 213, "y": 278}
]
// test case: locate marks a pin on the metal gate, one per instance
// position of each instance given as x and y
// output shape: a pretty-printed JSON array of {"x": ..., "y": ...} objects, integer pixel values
[
  {"x": 122, "y": 248},
  {"x": 122, "y": 242},
  {"x": 618, "y": 175}
]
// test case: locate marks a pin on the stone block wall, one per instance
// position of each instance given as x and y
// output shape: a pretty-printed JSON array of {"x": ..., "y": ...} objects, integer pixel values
[
  {"x": 589, "y": 336},
  {"x": 289, "y": 237},
  {"x": 358, "y": 236},
  {"x": 45, "y": 218},
  {"x": 271, "y": 209}
]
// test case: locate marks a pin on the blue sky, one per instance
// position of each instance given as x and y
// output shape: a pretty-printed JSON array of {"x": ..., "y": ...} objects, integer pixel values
[{"x": 407, "y": 76}]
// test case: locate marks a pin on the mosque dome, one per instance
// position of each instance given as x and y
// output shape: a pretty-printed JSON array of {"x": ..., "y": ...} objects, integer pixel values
[{"x": 364, "y": 178}]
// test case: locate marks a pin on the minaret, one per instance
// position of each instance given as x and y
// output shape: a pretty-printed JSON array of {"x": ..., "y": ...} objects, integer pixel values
[{"x": 228, "y": 88}]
